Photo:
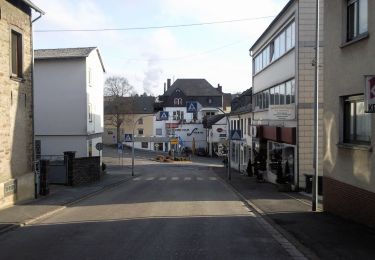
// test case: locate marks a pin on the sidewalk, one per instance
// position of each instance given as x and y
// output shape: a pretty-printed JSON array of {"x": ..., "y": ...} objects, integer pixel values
[
  {"x": 59, "y": 198},
  {"x": 318, "y": 235}
]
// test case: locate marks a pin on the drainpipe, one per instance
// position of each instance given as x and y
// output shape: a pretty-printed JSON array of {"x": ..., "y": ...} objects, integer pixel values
[{"x": 36, "y": 176}]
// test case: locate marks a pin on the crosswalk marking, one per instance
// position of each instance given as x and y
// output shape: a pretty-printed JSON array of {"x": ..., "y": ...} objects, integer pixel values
[{"x": 176, "y": 178}]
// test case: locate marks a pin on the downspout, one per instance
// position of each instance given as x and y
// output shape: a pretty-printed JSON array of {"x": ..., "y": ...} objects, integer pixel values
[{"x": 36, "y": 176}]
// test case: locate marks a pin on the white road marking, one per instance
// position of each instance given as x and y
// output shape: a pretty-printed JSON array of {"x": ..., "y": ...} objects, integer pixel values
[
  {"x": 212, "y": 178},
  {"x": 162, "y": 178},
  {"x": 199, "y": 179},
  {"x": 150, "y": 178},
  {"x": 137, "y": 179},
  {"x": 187, "y": 179},
  {"x": 175, "y": 178}
]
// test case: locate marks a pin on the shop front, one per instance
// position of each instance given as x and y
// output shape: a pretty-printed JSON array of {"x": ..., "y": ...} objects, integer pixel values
[{"x": 277, "y": 147}]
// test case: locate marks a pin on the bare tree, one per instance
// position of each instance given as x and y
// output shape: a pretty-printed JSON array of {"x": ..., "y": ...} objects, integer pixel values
[{"x": 115, "y": 90}]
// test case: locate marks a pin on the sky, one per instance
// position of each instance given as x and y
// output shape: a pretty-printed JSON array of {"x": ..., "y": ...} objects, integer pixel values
[{"x": 217, "y": 52}]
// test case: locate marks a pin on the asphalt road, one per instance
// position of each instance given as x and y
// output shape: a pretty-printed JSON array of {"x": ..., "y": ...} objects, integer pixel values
[{"x": 165, "y": 212}]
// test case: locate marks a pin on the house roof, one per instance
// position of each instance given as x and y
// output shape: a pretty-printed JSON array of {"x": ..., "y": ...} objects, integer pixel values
[
  {"x": 33, "y": 6},
  {"x": 209, "y": 121},
  {"x": 286, "y": 7},
  {"x": 66, "y": 53},
  {"x": 129, "y": 105},
  {"x": 193, "y": 87}
]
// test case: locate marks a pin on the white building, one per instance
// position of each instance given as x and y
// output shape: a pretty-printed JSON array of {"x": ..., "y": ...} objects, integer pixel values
[
  {"x": 283, "y": 93},
  {"x": 68, "y": 101}
]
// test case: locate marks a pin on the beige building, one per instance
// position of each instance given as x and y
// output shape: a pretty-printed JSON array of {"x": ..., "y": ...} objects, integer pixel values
[
  {"x": 16, "y": 102},
  {"x": 283, "y": 93},
  {"x": 129, "y": 110},
  {"x": 349, "y": 159}
]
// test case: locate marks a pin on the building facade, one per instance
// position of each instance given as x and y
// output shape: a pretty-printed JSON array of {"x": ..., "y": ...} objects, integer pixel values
[
  {"x": 189, "y": 125},
  {"x": 349, "y": 160},
  {"x": 283, "y": 87},
  {"x": 16, "y": 102},
  {"x": 69, "y": 101},
  {"x": 135, "y": 112},
  {"x": 241, "y": 119}
]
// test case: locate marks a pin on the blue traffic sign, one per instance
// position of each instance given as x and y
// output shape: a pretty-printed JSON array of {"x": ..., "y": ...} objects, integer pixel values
[
  {"x": 191, "y": 106},
  {"x": 163, "y": 115},
  {"x": 235, "y": 135},
  {"x": 128, "y": 138}
]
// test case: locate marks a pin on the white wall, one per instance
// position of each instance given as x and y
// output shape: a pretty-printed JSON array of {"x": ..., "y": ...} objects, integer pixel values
[
  {"x": 95, "y": 92},
  {"x": 60, "y": 97},
  {"x": 57, "y": 145}
]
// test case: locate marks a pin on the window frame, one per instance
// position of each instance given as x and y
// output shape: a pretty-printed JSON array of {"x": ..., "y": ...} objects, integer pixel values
[
  {"x": 140, "y": 131},
  {"x": 19, "y": 54},
  {"x": 353, "y": 24},
  {"x": 347, "y": 134}
]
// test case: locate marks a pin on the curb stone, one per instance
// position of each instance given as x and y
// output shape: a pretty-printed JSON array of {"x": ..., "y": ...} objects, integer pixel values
[
  {"x": 66, "y": 205},
  {"x": 295, "y": 249}
]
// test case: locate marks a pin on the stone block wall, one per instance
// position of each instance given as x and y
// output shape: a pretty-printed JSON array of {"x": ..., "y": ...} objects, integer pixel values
[
  {"x": 305, "y": 84},
  {"x": 85, "y": 170},
  {"x": 16, "y": 115}
]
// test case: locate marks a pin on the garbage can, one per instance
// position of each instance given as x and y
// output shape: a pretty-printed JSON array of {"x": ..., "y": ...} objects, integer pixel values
[{"x": 308, "y": 183}]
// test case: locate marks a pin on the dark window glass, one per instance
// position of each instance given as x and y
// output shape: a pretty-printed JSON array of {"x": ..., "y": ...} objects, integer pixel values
[
  {"x": 357, "y": 123},
  {"x": 16, "y": 54}
]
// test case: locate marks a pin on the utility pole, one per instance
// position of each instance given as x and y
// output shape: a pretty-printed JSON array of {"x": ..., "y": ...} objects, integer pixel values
[{"x": 316, "y": 113}]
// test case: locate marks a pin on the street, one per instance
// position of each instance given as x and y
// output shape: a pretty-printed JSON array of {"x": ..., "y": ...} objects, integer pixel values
[{"x": 164, "y": 212}]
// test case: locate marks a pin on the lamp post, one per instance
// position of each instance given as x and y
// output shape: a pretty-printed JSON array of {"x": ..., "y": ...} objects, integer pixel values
[
  {"x": 316, "y": 113},
  {"x": 229, "y": 173}
]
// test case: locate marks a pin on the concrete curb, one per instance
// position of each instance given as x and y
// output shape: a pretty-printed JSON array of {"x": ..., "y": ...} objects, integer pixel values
[
  {"x": 66, "y": 205},
  {"x": 295, "y": 249}
]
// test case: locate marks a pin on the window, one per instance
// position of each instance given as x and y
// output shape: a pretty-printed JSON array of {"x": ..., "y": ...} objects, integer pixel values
[
  {"x": 357, "y": 18},
  {"x": 89, "y": 76},
  {"x": 178, "y": 115},
  {"x": 140, "y": 131},
  {"x": 140, "y": 121},
  {"x": 177, "y": 101},
  {"x": 159, "y": 131},
  {"x": 16, "y": 42},
  {"x": 282, "y": 94},
  {"x": 209, "y": 114},
  {"x": 276, "y": 48},
  {"x": 145, "y": 145},
  {"x": 357, "y": 123},
  {"x": 90, "y": 113}
]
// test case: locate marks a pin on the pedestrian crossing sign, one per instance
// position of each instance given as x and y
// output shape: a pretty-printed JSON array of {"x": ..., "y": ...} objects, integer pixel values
[
  {"x": 128, "y": 137},
  {"x": 235, "y": 134},
  {"x": 163, "y": 115},
  {"x": 191, "y": 106}
]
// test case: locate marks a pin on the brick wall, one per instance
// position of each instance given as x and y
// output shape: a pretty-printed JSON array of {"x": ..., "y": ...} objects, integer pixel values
[
  {"x": 349, "y": 201},
  {"x": 16, "y": 115},
  {"x": 306, "y": 84},
  {"x": 86, "y": 170}
]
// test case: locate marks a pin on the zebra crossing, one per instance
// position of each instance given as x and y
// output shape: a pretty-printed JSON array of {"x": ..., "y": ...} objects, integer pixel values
[{"x": 175, "y": 178}]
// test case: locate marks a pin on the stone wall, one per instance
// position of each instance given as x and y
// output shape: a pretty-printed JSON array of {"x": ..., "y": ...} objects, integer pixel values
[
  {"x": 85, "y": 170},
  {"x": 305, "y": 87},
  {"x": 16, "y": 115}
]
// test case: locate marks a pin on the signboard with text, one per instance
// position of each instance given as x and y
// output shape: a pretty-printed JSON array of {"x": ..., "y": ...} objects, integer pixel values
[
  {"x": 282, "y": 112},
  {"x": 370, "y": 94}
]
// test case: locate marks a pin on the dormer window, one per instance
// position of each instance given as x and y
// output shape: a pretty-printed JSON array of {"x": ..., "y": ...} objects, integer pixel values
[{"x": 177, "y": 101}]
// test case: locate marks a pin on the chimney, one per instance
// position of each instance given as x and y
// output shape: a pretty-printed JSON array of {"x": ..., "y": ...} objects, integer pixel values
[
  {"x": 220, "y": 88},
  {"x": 165, "y": 86},
  {"x": 168, "y": 83}
]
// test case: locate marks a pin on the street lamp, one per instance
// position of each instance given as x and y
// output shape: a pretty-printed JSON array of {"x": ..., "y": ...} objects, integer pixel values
[{"x": 229, "y": 173}]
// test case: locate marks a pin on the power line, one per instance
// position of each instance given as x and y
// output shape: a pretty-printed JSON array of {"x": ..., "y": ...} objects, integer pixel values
[{"x": 154, "y": 27}]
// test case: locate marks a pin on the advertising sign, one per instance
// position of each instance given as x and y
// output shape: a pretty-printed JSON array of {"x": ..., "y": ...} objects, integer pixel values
[
  {"x": 282, "y": 112},
  {"x": 370, "y": 94}
]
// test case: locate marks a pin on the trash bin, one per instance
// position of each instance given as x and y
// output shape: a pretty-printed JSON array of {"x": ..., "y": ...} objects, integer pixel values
[{"x": 308, "y": 183}]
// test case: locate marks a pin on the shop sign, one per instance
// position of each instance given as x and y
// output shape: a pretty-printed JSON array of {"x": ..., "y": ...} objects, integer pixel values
[
  {"x": 370, "y": 94},
  {"x": 282, "y": 112}
]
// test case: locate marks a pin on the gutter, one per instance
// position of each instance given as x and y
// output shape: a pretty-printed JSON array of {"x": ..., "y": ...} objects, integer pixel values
[{"x": 36, "y": 175}]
